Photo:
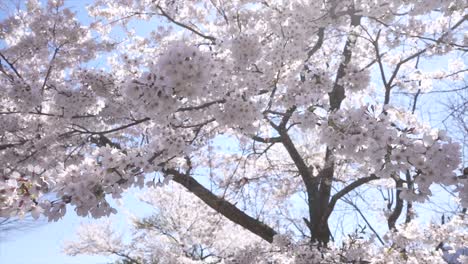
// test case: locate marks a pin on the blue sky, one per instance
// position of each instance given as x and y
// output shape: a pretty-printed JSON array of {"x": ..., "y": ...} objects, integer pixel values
[{"x": 42, "y": 244}]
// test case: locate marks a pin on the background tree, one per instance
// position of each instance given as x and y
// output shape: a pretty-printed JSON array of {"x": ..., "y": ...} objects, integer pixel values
[
  {"x": 301, "y": 95},
  {"x": 185, "y": 230},
  {"x": 182, "y": 229}
]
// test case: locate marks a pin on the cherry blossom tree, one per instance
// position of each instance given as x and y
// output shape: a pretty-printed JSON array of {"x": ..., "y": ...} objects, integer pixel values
[
  {"x": 177, "y": 233},
  {"x": 252, "y": 106}
]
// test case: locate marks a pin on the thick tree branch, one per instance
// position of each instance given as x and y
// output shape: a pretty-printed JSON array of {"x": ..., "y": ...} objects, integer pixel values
[
  {"x": 338, "y": 93},
  {"x": 222, "y": 206},
  {"x": 302, "y": 167},
  {"x": 267, "y": 140},
  {"x": 398, "y": 207},
  {"x": 49, "y": 69},
  {"x": 10, "y": 145},
  {"x": 318, "y": 44},
  {"x": 409, "y": 204},
  {"x": 337, "y": 196}
]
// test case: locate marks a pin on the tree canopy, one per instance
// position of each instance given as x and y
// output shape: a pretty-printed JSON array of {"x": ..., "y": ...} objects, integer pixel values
[{"x": 256, "y": 108}]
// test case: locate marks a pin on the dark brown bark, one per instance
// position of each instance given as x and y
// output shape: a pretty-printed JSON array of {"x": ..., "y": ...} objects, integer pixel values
[
  {"x": 348, "y": 189},
  {"x": 409, "y": 204},
  {"x": 219, "y": 204},
  {"x": 320, "y": 231},
  {"x": 398, "y": 207},
  {"x": 5, "y": 146},
  {"x": 319, "y": 188},
  {"x": 337, "y": 95},
  {"x": 222, "y": 206},
  {"x": 319, "y": 197}
]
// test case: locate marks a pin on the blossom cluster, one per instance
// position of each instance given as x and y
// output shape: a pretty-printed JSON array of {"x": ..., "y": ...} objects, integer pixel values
[
  {"x": 240, "y": 111},
  {"x": 20, "y": 191},
  {"x": 388, "y": 147},
  {"x": 185, "y": 69},
  {"x": 182, "y": 73},
  {"x": 149, "y": 95},
  {"x": 245, "y": 49},
  {"x": 355, "y": 79}
]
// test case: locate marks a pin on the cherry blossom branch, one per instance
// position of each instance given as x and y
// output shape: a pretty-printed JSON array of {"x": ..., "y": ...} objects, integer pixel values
[
  {"x": 115, "y": 129},
  {"x": 46, "y": 114},
  {"x": 202, "y": 106},
  {"x": 11, "y": 65},
  {"x": 304, "y": 170},
  {"x": 129, "y": 259},
  {"x": 337, "y": 95},
  {"x": 273, "y": 91},
  {"x": 409, "y": 204},
  {"x": 10, "y": 145},
  {"x": 438, "y": 41},
  {"x": 389, "y": 84},
  {"x": 365, "y": 220},
  {"x": 195, "y": 125},
  {"x": 398, "y": 207},
  {"x": 49, "y": 69},
  {"x": 319, "y": 189},
  {"x": 222, "y": 206},
  {"x": 415, "y": 100},
  {"x": 380, "y": 63},
  {"x": 267, "y": 140},
  {"x": 164, "y": 14},
  {"x": 220, "y": 11},
  {"x": 318, "y": 44},
  {"x": 337, "y": 196}
]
